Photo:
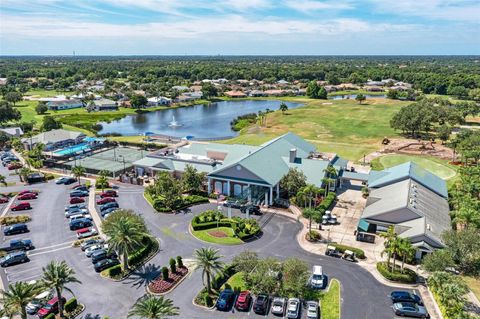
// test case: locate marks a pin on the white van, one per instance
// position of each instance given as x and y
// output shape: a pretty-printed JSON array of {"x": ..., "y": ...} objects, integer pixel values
[{"x": 317, "y": 279}]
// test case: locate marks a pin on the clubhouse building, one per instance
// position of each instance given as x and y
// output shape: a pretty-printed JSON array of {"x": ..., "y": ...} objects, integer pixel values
[{"x": 245, "y": 171}]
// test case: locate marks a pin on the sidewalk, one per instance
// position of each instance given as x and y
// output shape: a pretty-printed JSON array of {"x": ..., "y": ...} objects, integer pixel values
[{"x": 368, "y": 264}]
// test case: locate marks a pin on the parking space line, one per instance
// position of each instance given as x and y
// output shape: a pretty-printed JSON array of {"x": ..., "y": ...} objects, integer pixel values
[
  {"x": 53, "y": 246},
  {"x": 48, "y": 251},
  {"x": 23, "y": 271}
]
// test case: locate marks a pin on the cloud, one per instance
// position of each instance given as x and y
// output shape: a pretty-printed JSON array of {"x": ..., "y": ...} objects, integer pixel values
[
  {"x": 310, "y": 6},
  {"x": 25, "y": 27},
  {"x": 454, "y": 10}
]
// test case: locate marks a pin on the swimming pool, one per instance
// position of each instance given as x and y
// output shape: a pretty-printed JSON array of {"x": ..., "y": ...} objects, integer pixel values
[{"x": 72, "y": 149}]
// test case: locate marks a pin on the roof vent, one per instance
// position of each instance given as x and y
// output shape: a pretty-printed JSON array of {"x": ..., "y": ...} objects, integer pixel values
[
  {"x": 429, "y": 227},
  {"x": 293, "y": 155}
]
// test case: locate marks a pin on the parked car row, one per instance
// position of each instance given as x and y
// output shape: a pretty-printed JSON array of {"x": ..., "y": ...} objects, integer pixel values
[
  {"x": 23, "y": 196},
  {"x": 107, "y": 203},
  {"x": 279, "y": 306},
  {"x": 9, "y": 160},
  {"x": 407, "y": 304}
]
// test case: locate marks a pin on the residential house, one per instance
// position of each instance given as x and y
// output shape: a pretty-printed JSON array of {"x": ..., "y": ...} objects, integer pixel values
[
  {"x": 235, "y": 94},
  {"x": 413, "y": 200},
  {"x": 103, "y": 105},
  {"x": 159, "y": 101},
  {"x": 12, "y": 131},
  {"x": 66, "y": 104}
]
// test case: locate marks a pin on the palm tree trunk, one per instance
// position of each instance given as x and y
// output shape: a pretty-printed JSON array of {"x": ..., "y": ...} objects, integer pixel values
[
  {"x": 403, "y": 261},
  {"x": 24, "y": 313},
  {"x": 125, "y": 261},
  {"x": 60, "y": 303},
  {"x": 393, "y": 264},
  {"x": 209, "y": 288}
]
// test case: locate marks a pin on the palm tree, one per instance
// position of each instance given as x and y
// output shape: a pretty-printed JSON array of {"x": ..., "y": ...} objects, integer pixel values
[
  {"x": 125, "y": 231},
  {"x": 57, "y": 275},
  {"x": 151, "y": 307},
  {"x": 3, "y": 180},
  {"x": 389, "y": 236},
  {"x": 283, "y": 107},
  {"x": 207, "y": 259},
  {"x": 309, "y": 213},
  {"x": 330, "y": 174},
  {"x": 18, "y": 295},
  {"x": 406, "y": 250},
  {"x": 78, "y": 172},
  {"x": 23, "y": 173}
]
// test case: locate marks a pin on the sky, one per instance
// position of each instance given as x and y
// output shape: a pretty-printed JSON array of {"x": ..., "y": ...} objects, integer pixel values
[{"x": 240, "y": 27}]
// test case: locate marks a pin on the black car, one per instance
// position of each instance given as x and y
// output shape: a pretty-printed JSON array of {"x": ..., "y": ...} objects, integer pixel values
[
  {"x": 102, "y": 254},
  {"x": 15, "y": 229},
  {"x": 80, "y": 223},
  {"x": 225, "y": 300},
  {"x": 405, "y": 296},
  {"x": 69, "y": 180},
  {"x": 261, "y": 304},
  {"x": 18, "y": 244},
  {"x": 252, "y": 209},
  {"x": 18, "y": 257},
  {"x": 108, "y": 205},
  {"x": 78, "y": 193},
  {"x": 105, "y": 264}
]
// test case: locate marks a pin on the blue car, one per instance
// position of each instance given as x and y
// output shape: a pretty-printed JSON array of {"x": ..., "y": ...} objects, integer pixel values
[
  {"x": 106, "y": 206},
  {"x": 109, "y": 211},
  {"x": 405, "y": 296},
  {"x": 225, "y": 300},
  {"x": 78, "y": 193}
]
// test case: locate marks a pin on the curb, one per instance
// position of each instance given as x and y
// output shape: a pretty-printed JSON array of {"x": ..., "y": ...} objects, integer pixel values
[{"x": 172, "y": 288}]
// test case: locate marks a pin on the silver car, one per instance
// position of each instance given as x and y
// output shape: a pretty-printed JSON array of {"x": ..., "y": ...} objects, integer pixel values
[
  {"x": 90, "y": 250},
  {"x": 293, "y": 310},
  {"x": 278, "y": 306},
  {"x": 312, "y": 310},
  {"x": 410, "y": 309}
]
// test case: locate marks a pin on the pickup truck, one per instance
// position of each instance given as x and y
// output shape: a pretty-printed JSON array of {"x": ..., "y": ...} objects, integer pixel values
[{"x": 18, "y": 244}]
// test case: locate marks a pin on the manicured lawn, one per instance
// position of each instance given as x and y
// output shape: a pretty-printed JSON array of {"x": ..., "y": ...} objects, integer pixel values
[
  {"x": 236, "y": 282},
  {"x": 341, "y": 126},
  {"x": 46, "y": 93},
  {"x": 330, "y": 301},
  {"x": 229, "y": 238},
  {"x": 474, "y": 285},
  {"x": 437, "y": 166}
]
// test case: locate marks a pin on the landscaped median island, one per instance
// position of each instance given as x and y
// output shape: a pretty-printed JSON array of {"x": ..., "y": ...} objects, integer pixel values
[
  {"x": 214, "y": 227},
  {"x": 169, "y": 278},
  {"x": 168, "y": 194}
]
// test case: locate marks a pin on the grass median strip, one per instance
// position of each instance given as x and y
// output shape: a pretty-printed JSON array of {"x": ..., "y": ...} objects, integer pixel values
[
  {"x": 220, "y": 235},
  {"x": 330, "y": 301}
]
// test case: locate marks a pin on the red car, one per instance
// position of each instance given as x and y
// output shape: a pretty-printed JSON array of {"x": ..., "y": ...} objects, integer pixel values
[
  {"x": 13, "y": 166},
  {"x": 106, "y": 200},
  {"x": 4, "y": 199},
  {"x": 50, "y": 307},
  {"x": 243, "y": 301},
  {"x": 21, "y": 206},
  {"x": 76, "y": 200},
  {"x": 28, "y": 191},
  {"x": 27, "y": 196},
  {"x": 108, "y": 193}
]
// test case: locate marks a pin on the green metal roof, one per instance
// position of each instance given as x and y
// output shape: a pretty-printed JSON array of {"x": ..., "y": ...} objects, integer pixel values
[
  {"x": 268, "y": 162},
  {"x": 408, "y": 170}
]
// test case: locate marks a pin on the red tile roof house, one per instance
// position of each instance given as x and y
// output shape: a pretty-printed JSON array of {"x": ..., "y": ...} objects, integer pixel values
[{"x": 235, "y": 94}]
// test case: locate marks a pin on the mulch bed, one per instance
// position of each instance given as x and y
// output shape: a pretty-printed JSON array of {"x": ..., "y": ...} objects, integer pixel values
[
  {"x": 159, "y": 285},
  {"x": 217, "y": 233}
]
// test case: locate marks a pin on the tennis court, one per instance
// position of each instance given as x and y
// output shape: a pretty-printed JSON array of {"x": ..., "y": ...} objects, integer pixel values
[{"x": 114, "y": 160}]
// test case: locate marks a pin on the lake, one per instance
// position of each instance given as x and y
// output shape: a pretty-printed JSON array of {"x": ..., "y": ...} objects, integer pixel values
[{"x": 201, "y": 121}]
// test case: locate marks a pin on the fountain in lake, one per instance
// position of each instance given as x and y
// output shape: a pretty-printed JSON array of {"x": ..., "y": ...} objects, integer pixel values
[{"x": 174, "y": 123}]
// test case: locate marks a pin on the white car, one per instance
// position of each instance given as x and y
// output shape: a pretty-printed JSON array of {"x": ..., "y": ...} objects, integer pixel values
[
  {"x": 312, "y": 310},
  {"x": 317, "y": 279},
  {"x": 77, "y": 216},
  {"x": 293, "y": 309},
  {"x": 76, "y": 212},
  {"x": 90, "y": 250},
  {"x": 278, "y": 306}
]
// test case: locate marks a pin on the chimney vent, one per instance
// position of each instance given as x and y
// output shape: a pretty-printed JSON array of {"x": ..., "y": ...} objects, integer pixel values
[{"x": 293, "y": 155}]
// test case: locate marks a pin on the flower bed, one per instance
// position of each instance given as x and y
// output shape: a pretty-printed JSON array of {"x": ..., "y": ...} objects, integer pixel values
[{"x": 161, "y": 286}]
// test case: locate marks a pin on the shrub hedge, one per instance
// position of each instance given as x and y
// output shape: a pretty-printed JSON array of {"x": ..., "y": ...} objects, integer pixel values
[
  {"x": 10, "y": 220},
  {"x": 141, "y": 254},
  {"x": 243, "y": 228},
  {"x": 184, "y": 202},
  {"x": 50, "y": 316},
  {"x": 114, "y": 271},
  {"x": 359, "y": 253},
  {"x": 326, "y": 203},
  {"x": 408, "y": 276},
  {"x": 71, "y": 305}
]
